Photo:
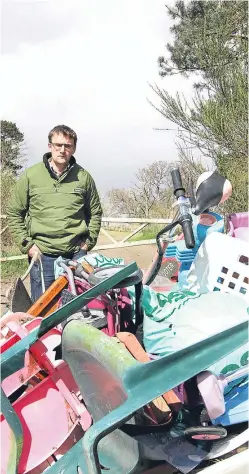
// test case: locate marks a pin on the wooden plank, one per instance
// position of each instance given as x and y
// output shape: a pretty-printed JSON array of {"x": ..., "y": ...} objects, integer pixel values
[
  {"x": 135, "y": 220},
  {"x": 115, "y": 243},
  {"x": 103, "y": 231},
  {"x": 16, "y": 257},
  {"x": 4, "y": 229},
  {"x": 120, "y": 220},
  {"x": 126, "y": 219},
  {"x": 125, "y": 244},
  {"x": 43, "y": 306},
  {"x": 142, "y": 226},
  {"x": 97, "y": 247}
]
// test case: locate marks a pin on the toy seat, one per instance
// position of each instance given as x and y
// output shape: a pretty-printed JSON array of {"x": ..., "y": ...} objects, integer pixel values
[
  {"x": 46, "y": 423},
  {"x": 48, "y": 417},
  {"x": 32, "y": 365},
  {"x": 49, "y": 412}
]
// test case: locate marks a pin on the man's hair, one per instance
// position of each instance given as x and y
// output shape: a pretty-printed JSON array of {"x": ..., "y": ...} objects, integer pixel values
[{"x": 66, "y": 131}]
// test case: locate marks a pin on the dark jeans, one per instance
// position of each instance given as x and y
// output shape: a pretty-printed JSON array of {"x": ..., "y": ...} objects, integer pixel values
[{"x": 48, "y": 273}]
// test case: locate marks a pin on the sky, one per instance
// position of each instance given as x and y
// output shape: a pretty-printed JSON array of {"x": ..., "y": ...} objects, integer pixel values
[{"x": 88, "y": 64}]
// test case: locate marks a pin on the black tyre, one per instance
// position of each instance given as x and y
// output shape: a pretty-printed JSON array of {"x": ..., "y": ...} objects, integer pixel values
[{"x": 206, "y": 433}]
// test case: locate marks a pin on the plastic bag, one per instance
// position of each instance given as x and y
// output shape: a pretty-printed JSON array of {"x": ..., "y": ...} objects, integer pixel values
[
  {"x": 175, "y": 320},
  {"x": 96, "y": 260}
]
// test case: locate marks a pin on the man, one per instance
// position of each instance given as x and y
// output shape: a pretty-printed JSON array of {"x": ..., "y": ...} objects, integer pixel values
[{"x": 55, "y": 209}]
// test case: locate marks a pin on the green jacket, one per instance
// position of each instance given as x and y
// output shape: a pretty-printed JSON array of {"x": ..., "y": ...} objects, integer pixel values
[{"x": 56, "y": 214}]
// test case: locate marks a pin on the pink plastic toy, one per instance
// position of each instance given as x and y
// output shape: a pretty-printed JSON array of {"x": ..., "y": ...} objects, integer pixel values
[
  {"x": 238, "y": 226},
  {"x": 51, "y": 413}
]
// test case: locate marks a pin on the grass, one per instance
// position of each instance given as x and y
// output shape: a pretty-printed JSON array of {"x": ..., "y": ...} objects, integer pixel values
[
  {"x": 12, "y": 269},
  {"x": 118, "y": 233},
  {"x": 148, "y": 233}
]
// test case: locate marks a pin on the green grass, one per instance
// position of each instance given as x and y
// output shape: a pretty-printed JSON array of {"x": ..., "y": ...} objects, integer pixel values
[
  {"x": 148, "y": 233},
  {"x": 14, "y": 268},
  {"x": 118, "y": 233}
]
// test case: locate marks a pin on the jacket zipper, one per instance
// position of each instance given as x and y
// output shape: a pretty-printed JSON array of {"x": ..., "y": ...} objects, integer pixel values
[
  {"x": 64, "y": 176},
  {"x": 58, "y": 181}
]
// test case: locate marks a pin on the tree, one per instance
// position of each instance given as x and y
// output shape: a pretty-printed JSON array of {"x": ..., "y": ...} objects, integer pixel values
[
  {"x": 12, "y": 147},
  {"x": 120, "y": 202},
  {"x": 210, "y": 40},
  {"x": 237, "y": 172},
  {"x": 208, "y": 36},
  {"x": 150, "y": 191},
  {"x": 149, "y": 196},
  {"x": 190, "y": 168},
  {"x": 7, "y": 183}
]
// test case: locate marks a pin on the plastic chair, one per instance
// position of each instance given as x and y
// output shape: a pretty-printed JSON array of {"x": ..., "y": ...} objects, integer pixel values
[
  {"x": 47, "y": 419},
  {"x": 50, "y": 412},
  {"x": 41, "y": 357}
]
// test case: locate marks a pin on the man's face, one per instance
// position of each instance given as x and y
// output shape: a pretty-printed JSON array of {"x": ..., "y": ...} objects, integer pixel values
[{"x": 62, "y": 148}]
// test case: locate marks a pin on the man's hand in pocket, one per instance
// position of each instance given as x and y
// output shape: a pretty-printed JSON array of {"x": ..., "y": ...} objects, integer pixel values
[{"x": 34, "y": 250}]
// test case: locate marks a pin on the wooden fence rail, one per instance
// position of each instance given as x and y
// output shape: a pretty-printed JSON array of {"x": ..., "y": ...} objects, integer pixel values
[{"x": 114, "y": 243}]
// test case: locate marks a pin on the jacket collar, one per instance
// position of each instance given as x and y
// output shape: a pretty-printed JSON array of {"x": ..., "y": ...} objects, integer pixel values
[{"x": 46, "y": 158}]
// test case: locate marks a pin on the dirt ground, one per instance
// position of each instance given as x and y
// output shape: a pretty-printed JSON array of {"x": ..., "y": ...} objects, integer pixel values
[{"x": 141, "y": 254}]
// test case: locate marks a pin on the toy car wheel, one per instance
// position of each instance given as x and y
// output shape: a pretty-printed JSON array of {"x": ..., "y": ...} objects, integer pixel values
[{"x": 206, "y": 433}]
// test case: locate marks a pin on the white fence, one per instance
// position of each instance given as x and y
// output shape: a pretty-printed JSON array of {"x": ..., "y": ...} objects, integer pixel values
[{"x": 114, "y": 243}]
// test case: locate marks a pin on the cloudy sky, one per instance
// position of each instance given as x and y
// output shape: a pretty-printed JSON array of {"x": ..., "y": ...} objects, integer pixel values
[{"x": 87, "y": 64}]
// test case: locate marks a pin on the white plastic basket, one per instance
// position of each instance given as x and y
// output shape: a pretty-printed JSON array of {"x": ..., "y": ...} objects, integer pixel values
[
  {"x": 221, "y": 264},
  {"x": 236, "y": 464}
]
